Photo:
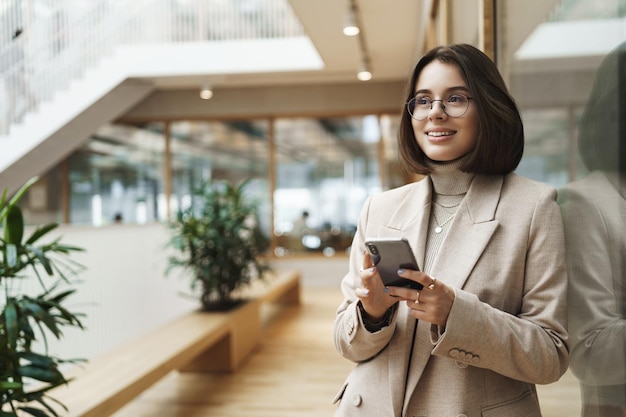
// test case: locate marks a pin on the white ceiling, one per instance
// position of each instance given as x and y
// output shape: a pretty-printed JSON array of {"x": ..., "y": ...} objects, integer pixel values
[{"x": 393, "y": 32}]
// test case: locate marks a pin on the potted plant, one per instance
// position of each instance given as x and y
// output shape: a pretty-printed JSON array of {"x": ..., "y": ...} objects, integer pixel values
[
  {"x": 26, "y": 375},
  {"x": 218, "y": 239}
]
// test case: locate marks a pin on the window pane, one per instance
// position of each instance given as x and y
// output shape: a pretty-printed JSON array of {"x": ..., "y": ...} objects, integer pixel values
[
  {"x": 549, "y": 59},
  {"x": 117, "y": 176},
  {"x": 42, "y": 203},
  {"x": 393, "y": 173},
  {"x": 325, "y": 167},
  {"x": 233, "y": 151},
  {"x": 552, "y": 58}
]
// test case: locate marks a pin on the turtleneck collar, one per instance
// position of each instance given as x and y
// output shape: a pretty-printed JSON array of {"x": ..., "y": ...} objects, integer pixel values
[{"x": 448, "y": 179}]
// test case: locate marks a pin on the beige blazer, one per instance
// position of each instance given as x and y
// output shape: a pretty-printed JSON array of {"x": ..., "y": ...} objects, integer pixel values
[
  {"x": 504, "y": 255},
  {"x": 594, "y": 214}
]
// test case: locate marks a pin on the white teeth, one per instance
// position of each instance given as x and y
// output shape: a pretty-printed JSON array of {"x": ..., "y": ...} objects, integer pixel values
[{"x": 440, "y": 133}]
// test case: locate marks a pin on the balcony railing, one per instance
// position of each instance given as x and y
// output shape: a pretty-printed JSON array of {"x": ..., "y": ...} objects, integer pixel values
[{"x": 46, "y": 44}]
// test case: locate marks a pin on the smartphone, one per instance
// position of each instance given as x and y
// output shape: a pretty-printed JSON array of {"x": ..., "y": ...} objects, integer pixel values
[{"x": 389, "y": 255}]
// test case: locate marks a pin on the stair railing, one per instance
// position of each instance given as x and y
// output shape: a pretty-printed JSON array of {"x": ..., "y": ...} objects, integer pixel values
[{"x": 57, "y": 42}]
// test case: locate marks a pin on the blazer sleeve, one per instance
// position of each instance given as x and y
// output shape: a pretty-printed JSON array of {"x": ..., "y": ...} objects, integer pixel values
[
  {"x": 596, "y": 322},
  {"x": 352, "y": 339},
  {"x": 529, "y": 344}
]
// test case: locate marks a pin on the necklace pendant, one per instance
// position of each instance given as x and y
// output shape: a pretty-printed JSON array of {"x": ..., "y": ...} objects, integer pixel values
[{"x": 438, "y": 229}]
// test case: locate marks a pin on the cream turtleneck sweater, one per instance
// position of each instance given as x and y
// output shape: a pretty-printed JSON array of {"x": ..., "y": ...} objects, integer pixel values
[{"x": 450, "y": 186}]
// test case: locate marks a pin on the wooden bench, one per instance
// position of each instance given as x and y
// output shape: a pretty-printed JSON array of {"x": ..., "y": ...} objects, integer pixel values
[{"x": 197, "y": 341}]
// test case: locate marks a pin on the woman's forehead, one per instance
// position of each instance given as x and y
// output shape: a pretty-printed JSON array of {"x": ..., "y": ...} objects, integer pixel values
[{"x": 439, "y": 76}]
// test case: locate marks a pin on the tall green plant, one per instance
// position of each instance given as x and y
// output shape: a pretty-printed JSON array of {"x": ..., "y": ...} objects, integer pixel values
[
  {"x": 27, "y": 376},
  {"x": 218, "y": 239}
]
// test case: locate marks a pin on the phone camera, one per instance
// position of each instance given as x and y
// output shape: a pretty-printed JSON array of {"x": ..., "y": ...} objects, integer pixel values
[{"x": 373, "y": 250}]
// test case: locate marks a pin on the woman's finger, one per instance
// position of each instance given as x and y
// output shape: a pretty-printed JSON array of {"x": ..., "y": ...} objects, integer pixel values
[{"x": 367, "y": 261}]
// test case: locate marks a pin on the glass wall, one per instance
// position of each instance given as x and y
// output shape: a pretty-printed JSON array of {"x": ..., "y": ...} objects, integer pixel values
[
  {"x": 567, "y": 70},
  {"x": 549, "y": 59},
  {"x": 325, "y": 169},
  {"x": 309, "y": 177},
  {"x": 117, "y": 176},
  {"x": 235, "y": 151}
]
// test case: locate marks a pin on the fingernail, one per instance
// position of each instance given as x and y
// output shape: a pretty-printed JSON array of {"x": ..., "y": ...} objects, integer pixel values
[
  {"x": 385, "y": 289},
  {"x": 366, "y": 291},
  {"x": 400, "y": 271}
]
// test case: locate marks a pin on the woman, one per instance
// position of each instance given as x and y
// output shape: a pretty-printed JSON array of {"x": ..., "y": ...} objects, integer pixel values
[
  {"x": 594, "y": 215},
  {"x": 475, "y": 340}
]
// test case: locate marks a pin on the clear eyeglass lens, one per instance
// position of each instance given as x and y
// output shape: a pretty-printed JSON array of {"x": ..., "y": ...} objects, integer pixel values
[{"x": 454, "y": 105}]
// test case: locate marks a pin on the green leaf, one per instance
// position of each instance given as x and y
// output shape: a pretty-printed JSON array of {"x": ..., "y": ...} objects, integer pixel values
[
  {"x": 41, "y": 401},
  {"x": 11, "y": 323},
  {"x": 10, "y": 255},
  {"x": 14, "y": 226},
  {"x": 6, "y": 385},
  {"x": 38, "y": 360},
  {"x": 43, "y": 259},
  {"x": 3, "y": 199},
  {"x": 34, "y": 411},
  {"x": 51, "y": 375},
  {"x": 67, "y": 248},
  {"x": 20, "y": 193},
  {"x": 58, "y": 298},
  {"x": 41, "y": 231},
  {"x": 41, "y": 314}
]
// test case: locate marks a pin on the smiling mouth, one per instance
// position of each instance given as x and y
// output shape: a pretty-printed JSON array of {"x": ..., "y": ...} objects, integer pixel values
[{"x": 440, "y": 134}]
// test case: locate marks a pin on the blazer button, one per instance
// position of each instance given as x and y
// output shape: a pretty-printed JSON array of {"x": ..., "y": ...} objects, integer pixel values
[
  {"x": 356, "y": 400},
  {"x": 454, "y": 353},
  {"x": 350, "y": 325}
]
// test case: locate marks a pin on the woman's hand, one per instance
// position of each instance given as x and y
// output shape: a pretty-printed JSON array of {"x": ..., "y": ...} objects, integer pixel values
[
  {"x": 374, "y": 298},
  {"x": 432, "y": 304}
]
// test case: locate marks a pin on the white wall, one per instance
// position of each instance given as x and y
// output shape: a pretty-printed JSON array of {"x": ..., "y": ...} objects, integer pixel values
[{"x": 124, "y": 291}]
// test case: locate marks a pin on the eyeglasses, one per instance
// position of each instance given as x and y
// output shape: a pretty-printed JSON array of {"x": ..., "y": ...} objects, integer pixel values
[{"x": 455, "y": 105}]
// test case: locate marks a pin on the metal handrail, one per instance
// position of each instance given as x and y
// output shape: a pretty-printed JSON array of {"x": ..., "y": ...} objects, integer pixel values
[{"x": 59, "y": 44}]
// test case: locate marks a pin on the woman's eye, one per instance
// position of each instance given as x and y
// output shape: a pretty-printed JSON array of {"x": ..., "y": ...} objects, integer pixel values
[
  {"x": 457, "y": 98},
  {"x": 422, "y": 101}
]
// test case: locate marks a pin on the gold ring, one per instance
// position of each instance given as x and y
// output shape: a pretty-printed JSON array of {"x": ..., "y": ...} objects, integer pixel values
[
  {"x": 432, "y": 284},
  {"x": 417, "y": 298}
]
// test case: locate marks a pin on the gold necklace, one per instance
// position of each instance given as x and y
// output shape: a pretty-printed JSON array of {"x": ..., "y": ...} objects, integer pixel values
[
  {"x": 439, "y": 227},
  {"x": 443, "y": 206},
  {"x": 447, "y": 209}
]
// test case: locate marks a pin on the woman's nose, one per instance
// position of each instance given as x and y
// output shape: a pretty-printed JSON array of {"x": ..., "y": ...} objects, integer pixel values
[{"x": 437, "y": 110}]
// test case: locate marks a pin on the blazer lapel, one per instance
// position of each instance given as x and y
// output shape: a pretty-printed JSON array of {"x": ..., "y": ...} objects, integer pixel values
[
  {"x": 399, "y": 358},
  {"x": 471, "y": 230},
  {"x": 410, "y": 219}
]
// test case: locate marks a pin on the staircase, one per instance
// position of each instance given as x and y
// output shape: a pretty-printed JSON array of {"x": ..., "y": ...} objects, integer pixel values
[{"x": 86, "y": 63}]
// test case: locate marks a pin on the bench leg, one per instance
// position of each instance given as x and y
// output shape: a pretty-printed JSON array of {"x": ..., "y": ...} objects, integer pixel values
[
  {"x": 228, "y": 354},
  {"x": 291, "y": 295}
]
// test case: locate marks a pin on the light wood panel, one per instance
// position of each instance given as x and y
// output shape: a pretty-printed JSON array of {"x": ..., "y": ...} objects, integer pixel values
[
  {"x": 295, "y": 372},
  {"x": 197, "y": 341}
]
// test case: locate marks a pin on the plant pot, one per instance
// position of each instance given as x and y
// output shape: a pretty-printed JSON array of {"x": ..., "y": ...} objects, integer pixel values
[{"x": 210, "y": 302}]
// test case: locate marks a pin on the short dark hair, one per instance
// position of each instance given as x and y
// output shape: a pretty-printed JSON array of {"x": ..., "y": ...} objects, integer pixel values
[
  {"x": 500, "y": 143},
  {"x": 602, "y": 133}
]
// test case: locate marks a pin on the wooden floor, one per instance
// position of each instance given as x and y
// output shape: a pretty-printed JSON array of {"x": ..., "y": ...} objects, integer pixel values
[{"x": 294, "y": 373}]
